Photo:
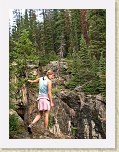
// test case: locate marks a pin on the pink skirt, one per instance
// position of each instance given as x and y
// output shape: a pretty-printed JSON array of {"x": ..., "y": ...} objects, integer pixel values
[{"x": 43, "y": 103}]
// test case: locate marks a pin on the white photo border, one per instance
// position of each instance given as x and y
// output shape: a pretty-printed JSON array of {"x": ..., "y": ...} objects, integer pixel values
[{"x": 109, "y": 142}]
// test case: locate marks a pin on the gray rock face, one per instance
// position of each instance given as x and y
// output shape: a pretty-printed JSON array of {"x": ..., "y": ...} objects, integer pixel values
[
  {"x": 82, "y": 119},
  {"x": 70, "y": 98},
  {"x": 89, "y": 118},
  {"x": 74, "y": 113}
]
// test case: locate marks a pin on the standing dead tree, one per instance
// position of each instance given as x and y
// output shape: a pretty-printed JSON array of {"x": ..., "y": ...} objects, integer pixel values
[{"x": 61, "y": 54}]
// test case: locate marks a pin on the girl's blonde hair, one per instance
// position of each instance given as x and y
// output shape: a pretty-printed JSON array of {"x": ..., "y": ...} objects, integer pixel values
[{"x": 49, "y": 72}]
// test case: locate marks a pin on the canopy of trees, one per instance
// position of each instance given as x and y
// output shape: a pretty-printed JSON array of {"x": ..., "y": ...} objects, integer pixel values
[{"x": 79, "y": 35}]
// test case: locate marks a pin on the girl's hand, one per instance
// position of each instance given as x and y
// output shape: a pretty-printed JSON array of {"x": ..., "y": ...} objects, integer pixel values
[
  {"x": 52, "y": 105},
  {"x": 30, "y": 81}
]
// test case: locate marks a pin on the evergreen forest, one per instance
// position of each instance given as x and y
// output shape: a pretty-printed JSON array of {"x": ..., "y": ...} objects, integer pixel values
[{"x": 76, "y": 35}]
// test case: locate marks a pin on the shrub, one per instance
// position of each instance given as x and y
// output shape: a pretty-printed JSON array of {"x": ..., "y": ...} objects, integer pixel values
[
  {"x": 50, "y": 121},
  {"x": 12, "y": 105},
  {"x": 74, "y": 130},
  {"x": 55, "y": 90},
  {"x": 71, "y": 84},
  {"x": 14, "y": 126}
]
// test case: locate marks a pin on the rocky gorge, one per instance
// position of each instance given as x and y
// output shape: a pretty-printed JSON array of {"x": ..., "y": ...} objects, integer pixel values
[{"x": 74, "y": 116}]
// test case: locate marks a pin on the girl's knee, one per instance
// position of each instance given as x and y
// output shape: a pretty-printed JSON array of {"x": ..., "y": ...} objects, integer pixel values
[
  {"x": 41, "y": 113},
  {"x": 46, "y": 113}
]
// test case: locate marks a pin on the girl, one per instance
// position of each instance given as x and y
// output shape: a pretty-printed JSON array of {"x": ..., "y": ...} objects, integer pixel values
[{"x": 44, "y": 99}]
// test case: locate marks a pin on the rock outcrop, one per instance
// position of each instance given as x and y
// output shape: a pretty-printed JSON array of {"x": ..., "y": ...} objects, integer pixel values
[
  {"x": 75, "y": 114},
  {"x": 88, "y": 117}
]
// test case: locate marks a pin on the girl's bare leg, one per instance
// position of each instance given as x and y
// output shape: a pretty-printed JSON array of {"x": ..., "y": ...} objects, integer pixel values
[
  {"x": 37, "y": 118},
  {"x": 34, "y": 121},
  {"x": 46, "y": 113}
]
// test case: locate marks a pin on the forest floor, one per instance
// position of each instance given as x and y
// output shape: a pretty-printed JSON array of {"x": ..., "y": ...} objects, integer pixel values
[{"x": 38, "y": 134}]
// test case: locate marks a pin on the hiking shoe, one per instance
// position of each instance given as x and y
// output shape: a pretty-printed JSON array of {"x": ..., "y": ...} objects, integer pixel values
[
  {"x": 46, "y": 133},
  {"x": 29, "y": 128}
]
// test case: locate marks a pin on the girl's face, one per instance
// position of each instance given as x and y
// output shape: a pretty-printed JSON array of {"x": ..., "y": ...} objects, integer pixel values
[{"x": 51, "y": 76}]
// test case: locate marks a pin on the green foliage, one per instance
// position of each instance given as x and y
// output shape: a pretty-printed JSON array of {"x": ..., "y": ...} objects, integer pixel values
[
  {"x": 47, "y": 52},
  {"x": 63, "y": 71},
  {"x": 40, "y": 41},
  {"x": 56, "y": 90},
  {"x": 12, "y": 105},
  {"x": 68, "y": 60},
  {"x": 43, "y": 60},
  {"x": 97, "y": 32},
  {"x": 102, "y": 75},
  {"x": 56, "y": 31},
  {"x": 71, "y": 84},
  {"x": 14, "y": 127},
  {"x": 74, "y": 130},
  {"x": 23, "y": 52},
  {"x": 75, "y": 65},
  {"x": 84, "y": 54},
  {"x": 92, "y": 87},
  {"x": 76, "y": 28}
]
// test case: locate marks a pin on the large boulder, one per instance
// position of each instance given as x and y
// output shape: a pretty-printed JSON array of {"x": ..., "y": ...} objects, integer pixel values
[
  {"x": 20, "y": 120},
  {"x": 90, "y": 115}
]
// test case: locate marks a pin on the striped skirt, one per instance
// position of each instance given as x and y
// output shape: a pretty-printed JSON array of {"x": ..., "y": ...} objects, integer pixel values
[{"x": 43, "y": 103}]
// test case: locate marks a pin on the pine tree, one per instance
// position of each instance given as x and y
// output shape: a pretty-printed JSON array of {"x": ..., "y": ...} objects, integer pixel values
[
  {"x": 84, "y": 25},
  {"x": 67, "y": 32},
  {"x": 60, "y": 29},
  {"x": 84, "y": 55},
  {"x": 47, "y": 50},
  {"x": 102, "y": 75},
  {"x": 14, "y": 30},
  {"x": 22, "y": 54},
  {"x": 48, "y": 35},
  {"x": 79, "y": 35},
  {"x": 97, "y": 32},
  {"x": 32, "y": 26},
  {"x": 97, "y": 51},
  {"x": 75, "y": 79},
  {"x": 26, "y": 20},
  {"x": 55, "y": 26},
  {"x": 85, "y": 62},
  {"x": 76, "y": 28}
]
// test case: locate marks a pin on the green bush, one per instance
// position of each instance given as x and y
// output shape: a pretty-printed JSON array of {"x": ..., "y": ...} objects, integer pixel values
[
  {"x": 12, "y": 105},
  {"x": 74, "y": 130},
  {"x": 68, "y": 60},
  {"x": 92, "y": 88},
  {"x": 14, "y": 126},
  {"x": 55, "y": 90},
  {"x": 71, "y": 84}
]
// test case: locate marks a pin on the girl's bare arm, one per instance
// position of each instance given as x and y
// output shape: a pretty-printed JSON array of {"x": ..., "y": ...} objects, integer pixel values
[
  {"x": 50, "y": 93},
  {"x": 34, "y": 81}
]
